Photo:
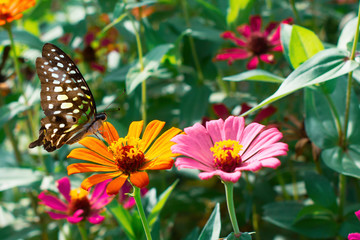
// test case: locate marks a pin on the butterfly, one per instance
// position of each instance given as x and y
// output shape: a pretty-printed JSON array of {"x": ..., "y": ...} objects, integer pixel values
[{"x": 66, "y": 99}]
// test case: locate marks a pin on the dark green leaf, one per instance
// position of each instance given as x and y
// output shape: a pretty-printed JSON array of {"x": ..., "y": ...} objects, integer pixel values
[
  {"x": 320, "y": 190},
  {"x": 21, "y": 36},
  {"x": 123, "y": 217}
]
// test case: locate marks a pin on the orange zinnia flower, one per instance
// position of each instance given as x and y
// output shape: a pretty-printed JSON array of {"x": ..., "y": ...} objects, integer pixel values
[
  {"x": 126, "y": 157},
  {"x": 11, "y": 10}
]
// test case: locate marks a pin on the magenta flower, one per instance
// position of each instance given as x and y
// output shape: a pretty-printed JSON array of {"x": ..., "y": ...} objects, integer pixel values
[
  {"x": 254, "y": 44},
  {"x": 77, "y": 206},
  {"x": 127, "y": 201},
  {"x": 226, "y": 148},
  {"x": 355, "y": 236}
]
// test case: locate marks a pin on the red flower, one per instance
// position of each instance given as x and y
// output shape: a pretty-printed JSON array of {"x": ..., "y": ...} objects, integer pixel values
[{"x": 254, "y": 43}]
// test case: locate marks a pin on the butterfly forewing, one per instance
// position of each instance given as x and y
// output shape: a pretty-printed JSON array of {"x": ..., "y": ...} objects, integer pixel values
[{"x": 66, "y": 99}]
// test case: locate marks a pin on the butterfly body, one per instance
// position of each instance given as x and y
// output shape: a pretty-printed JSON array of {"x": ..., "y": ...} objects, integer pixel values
[{"x": 68, "y": 104}]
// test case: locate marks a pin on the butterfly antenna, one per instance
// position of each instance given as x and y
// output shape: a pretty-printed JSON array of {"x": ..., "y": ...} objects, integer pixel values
[{"x": 124, "y": 92}]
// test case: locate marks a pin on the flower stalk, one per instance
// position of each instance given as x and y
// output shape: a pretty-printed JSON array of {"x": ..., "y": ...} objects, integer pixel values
[
  {"x": 82, "y": 231},
  {"x": 144, "y": 221},
  {"x": 229, "y": 192}
]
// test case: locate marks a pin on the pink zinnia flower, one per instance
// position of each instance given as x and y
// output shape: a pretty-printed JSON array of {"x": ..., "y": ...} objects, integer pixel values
[
  {"x": 254, "y": 43},
  {"x": 77, "y": 206},
  {"x": 355, "y": 236},
  {"x": 226, "y": 148}
]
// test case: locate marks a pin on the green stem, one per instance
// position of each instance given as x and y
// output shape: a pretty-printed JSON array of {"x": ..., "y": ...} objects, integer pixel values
[
  {"x": 349, "y": 85},
  {"x": 282, "y": 185},
  {"x": 16, "y": 62},
  {"x": 296, "y": 14},
  {"x": 192, "y": 43},
  {"x": 137, "y": 197},
  {"x": 141, "y": 62},
  {"x": 342, "y": 196},
  {"x": 229, "y": 191},
  {"x": 82, "y": 231}
]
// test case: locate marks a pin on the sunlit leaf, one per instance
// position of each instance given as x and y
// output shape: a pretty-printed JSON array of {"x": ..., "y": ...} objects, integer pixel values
[
  {"x": 212, "y": 228},
  {"x": 18, "y": 177},
  {"x": 255, "y": 75}
]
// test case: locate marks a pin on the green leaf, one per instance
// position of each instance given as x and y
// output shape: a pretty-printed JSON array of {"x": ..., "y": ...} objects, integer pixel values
[
  {"x": 123, "y": 217},
  {"x": 282, "y": 214},
  {"x": 11, "y": 110},
  {"x": 244, "y": 236},
  {"x": 285, "y": 36},
  {"x": 344, "y": 162},
  {"x": 21, "y": 36},
  {"x": 255, "y": 75},
  {"x": 154, "y": 214},
  {"x": 194, "y": 104},
  {"x": 347, "y": 34},
  {"x": 317, "y": 227},
  {"x": 16, "y": 177},
  {"x": 151, "y": 63},
  {"x": 238, "y": 9},
  {"x": 324, "y": 66},
  {"x": 212, "y": 227},
  {"x": 303, "y": 45},
  {"x": 320, "y": 190}
]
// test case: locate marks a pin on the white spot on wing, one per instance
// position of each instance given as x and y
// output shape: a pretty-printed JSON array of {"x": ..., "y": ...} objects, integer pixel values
[
  {"x": 66, "y": 105},
  {"x": 48, "y": 125},
  {"x": 54, "y": 75},
  {"x": 51, "y": 106},
  {"x": 58, "y": 89},
  {"x": 62, "y": 97},
  {"x": 61, "y": 125}
]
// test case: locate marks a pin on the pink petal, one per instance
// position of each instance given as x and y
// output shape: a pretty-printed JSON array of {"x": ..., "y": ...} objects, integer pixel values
[
  {"x": 271, "y": 163},
  {"x": 233, "y": 127},
  {"x": 229, "y": 177},
  {"x": 231, "y": 36},
  {"x": 269, "y": 28},
  {"x": 96, "y": 218},
  {"x": 76, "y": 217},
  {"x": 276, "y": 35},
  {"x": 99, "y": 192},
  {"x": 232, "y": 54},
  {"x": 196, "y": 143},
  {"x": 129, "y": 203},
  {"x": 358, "y": 214},
  {"x": 249, "y": 166},
  {"x": 354, "y": 236},
  {"x": 268, "y": 58},
  {"x": 64, "y": 187},
  {"x": 57, "y": 216},
  {"x": 215, "y": 130},
  {"x": 277, "y": 48},
  {"x": 255, "y": 23},
  {"x": 183, "y": 162},
  {"x": 52, "y": 202},
  {"x": 249, "y": 133},
  {"x": 244, "y": 30},
  {"x": 265, "y": 139},
  {"x": 253, "y": 63}
]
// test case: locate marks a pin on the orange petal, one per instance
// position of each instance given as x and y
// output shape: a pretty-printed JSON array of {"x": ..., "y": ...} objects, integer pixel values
[
  {"x": 139, "y": 179},
  {"x": 114, "y": 186},
  {"x": 108, "y": 132},
  {"x": 158, "y": 164},
  {"x": 97, "y": 146},
  {"x": 135, "y": 129},
  {"x": 152, "y": 130},
  {"x": 88, "y": 155},
  {"x": 97, "y": 178},
  {"x": 162, "y": 144},
  {"x": 89, "y": 167}
]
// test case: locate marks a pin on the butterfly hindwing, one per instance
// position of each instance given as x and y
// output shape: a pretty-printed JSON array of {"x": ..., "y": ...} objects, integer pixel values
[{"x": 66, "y": 99}]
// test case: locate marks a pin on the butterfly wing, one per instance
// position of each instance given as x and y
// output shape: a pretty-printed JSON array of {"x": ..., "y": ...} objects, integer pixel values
[{"x": 66, "y": 99}]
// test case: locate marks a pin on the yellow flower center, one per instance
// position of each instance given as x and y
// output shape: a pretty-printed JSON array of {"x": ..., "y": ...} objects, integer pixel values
[
  {"x": 79, "y": 200},
  {"x": 127, "y": 154},
  {"x": 226, "y": 155}
]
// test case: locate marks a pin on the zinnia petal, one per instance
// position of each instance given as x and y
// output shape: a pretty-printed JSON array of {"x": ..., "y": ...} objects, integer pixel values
[
  {"x": 139, "y": 179},
  {"x": 76, "y": 217},
  {"x": 63, "y": 185},
  {"x": 244, "y": 30},
  {"x": 233, "y": 123},
  {"x": 89, "y": 167},
  {"x": 115, "y": 185},
  {"x": 255, "y": 23},
  {"x": 161, "y": 163},
  {"x": 231, "y": 36},
  {"x": 57, "y": 216},
  {"x": 253, "y": 63},
  {"x": 268, "y": 58},
  {"x": 354, "y": 236},
  {"x": 97, "y": 146},
  {"x": 135, "y": 129},
  {"x": 88, "y": 155},
  {"x": 96, "y": 219},
  {"x": 108, "y": 132},
  {"x": 182, "y": 162},
  {"x": 52, "y": 202},
  {"x": 98, "y": 178},
  {"x": 151, "y": 131}
]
